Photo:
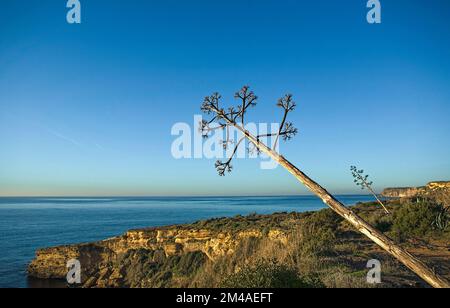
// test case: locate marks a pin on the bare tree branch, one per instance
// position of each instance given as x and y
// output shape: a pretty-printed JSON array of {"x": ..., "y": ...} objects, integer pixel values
[
  {"x": 222, "y": 167},
  {"x": 248, "y": 99},
  {"x": 290, "y": 131}
]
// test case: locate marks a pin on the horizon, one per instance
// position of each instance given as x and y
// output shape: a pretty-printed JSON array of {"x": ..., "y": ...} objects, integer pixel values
[
  {"x": 192, "y": 196},
  {"x": 87, "y": 109},
  {"x": 268, "y": 195}
]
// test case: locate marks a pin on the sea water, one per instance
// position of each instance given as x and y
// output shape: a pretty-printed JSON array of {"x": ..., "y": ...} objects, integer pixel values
[{"x": 27, "y": 224}]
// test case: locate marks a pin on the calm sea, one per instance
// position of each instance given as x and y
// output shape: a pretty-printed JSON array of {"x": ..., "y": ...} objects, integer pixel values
[{"x": 30, "y": 223}]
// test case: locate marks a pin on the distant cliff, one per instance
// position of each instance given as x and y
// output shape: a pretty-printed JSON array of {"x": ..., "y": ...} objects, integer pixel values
[
  {"x": 439, "y": 191},
  {"x": 401, "y": 192}
]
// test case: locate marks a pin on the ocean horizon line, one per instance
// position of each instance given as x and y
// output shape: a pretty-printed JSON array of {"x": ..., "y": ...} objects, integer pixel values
[{"x": 166, "y": 196}]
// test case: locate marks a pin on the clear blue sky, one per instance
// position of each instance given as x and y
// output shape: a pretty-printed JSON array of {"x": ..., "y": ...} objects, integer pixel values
[{"x": 87, "y": 109}]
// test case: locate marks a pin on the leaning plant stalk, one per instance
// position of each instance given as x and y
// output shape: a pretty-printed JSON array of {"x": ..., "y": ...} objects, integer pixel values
[
  {"x": 410, "y": 261},
  {"x": 379, "y": 201},
  {"x": 373, "y": 193},
  {"x": 361, "y": 180}
]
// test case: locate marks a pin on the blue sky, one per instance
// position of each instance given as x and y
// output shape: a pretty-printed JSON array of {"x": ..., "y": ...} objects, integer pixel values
[{"x": 88, "y": 109}]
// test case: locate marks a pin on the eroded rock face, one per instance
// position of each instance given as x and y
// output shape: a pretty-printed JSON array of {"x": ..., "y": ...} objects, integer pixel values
[
  {"x": 402, "y": 192},
  {"x": 439, "y": 191},
  {"x": 50, "y": 263},
  {"x": 139, "y": 255}
]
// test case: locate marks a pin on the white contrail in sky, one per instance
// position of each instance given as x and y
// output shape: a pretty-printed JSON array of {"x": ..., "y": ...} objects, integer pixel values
[
  {"x": 63, "y": 137},
  {"x": 53, "y": 132}
]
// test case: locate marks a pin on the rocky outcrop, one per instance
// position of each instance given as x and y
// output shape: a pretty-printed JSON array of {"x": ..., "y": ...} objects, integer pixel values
[
  {"x": 401, "y": 192},
  {"x": 50, "y": 263},
  {"x": 439, "y": 191},
  {"x": 110, "y": 263}
]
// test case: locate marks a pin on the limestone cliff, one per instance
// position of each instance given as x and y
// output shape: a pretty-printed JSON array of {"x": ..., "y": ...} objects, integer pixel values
[
  {"x": 107, "y": 263},
  {"x": 402, "y": 192},
  {"x": 439, "y": 191}
]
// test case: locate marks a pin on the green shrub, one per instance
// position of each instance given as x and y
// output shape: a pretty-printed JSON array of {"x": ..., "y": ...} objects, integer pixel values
[
  {"x": 317, "y": 234},
  {"x": 269, "y": 274},
  {"x": 383, "y": 224},
  {"x": 326, "y": 219},
  {"x": 416, "y": 219},
  {"x": 188, "y": 263},
  {"x": 316, "y": 241},
  {"x": 379, "y": 220}
]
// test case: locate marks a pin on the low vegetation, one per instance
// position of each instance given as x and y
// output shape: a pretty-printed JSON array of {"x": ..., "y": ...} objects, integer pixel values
[
  {"x": 419, "y": 218},
  {"x": 324, "y": 251},
  {"x": 319, "y": 249},
  {"x": 270, "y": 274}
]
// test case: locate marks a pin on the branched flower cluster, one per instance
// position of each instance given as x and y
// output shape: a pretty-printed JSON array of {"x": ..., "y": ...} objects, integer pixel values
[
  {"x": 360, "y": 179},
  {"x": 363, "y": 180},
  {"x": 225, "y": 118}
]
